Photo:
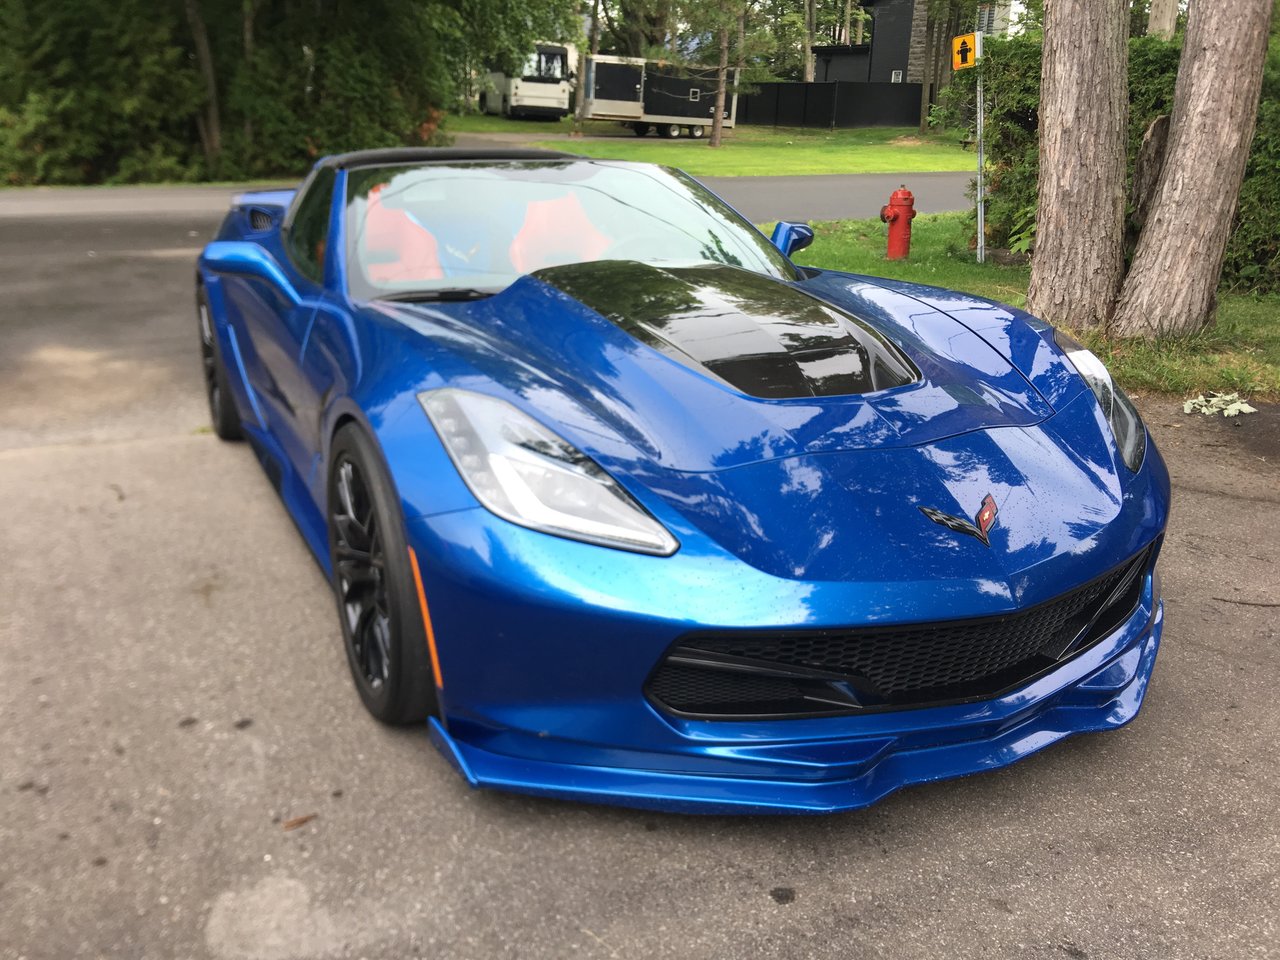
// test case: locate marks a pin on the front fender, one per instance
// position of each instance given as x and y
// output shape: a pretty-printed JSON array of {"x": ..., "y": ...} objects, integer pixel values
[{"x": 1024, "y": 340}]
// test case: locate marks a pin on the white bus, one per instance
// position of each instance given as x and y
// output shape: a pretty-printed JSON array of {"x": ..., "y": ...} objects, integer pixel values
[{"x": 542, "y": 89}]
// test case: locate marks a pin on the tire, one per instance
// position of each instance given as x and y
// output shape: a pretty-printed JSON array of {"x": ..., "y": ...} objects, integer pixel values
[
  {"x": 669, "y": 131},
  {"x": 222, "y": 407},
  {"x": 641, "y": 129},
  {"x": 373, "y": 584},
  {"x": 697, "y": 132}
]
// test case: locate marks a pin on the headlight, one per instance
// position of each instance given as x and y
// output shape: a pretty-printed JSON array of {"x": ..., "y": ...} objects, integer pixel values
[
  {"x": 524, "y": 473},
  {"x": 1126, "y": 425}
]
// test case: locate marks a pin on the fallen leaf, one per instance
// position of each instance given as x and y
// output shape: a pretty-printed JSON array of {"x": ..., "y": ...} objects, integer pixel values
[{"x": 293, "y": 823}]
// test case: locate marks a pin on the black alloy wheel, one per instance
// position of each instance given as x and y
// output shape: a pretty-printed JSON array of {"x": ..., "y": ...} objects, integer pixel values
[
  {"x": 222, "y": 408},
  {"x": 382, "y": 625},
  {"x": 641, "y": 129}
]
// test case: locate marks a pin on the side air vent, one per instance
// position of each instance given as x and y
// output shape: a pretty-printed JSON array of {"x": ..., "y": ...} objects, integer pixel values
[{"x": 259, "y": 220}]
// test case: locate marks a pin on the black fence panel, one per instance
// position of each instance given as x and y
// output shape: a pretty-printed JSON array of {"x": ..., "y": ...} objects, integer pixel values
[
  {"x": 877, "y": 105},
  {"x": 829, "y": 105},
  {"x": 819, "y": 104},
  {"x": 791, "y": 100}
]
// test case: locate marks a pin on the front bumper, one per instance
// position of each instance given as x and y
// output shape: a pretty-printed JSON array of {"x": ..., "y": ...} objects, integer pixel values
[
  {"x": 543, "y": 687},
  {"x": 539, "y": 111}
]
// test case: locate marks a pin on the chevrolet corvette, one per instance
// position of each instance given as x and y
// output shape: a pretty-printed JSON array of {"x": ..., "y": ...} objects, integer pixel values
[{"x": 628, "y": 506}]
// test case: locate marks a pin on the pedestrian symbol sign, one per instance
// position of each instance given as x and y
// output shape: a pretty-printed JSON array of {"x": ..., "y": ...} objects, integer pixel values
[{"x": 964, "y": 51}]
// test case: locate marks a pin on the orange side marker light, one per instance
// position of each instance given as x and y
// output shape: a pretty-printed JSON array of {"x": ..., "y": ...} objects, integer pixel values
[{"x": 426, "y": 619}]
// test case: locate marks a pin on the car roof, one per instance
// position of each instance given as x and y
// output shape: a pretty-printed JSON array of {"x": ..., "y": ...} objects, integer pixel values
[{"x": 370, "y": 158}]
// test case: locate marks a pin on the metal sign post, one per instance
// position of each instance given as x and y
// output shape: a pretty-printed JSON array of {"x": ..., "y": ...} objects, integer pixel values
[
  {"x": 982, "y": 159},
  {"x": 966, "y": 52}
]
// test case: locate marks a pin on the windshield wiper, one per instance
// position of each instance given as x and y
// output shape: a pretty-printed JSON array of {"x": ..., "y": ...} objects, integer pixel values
[{"x": 447, "y": 294}]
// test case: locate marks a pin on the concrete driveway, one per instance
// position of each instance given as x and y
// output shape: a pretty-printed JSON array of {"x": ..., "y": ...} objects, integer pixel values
[{"x": 173, "y": 694}]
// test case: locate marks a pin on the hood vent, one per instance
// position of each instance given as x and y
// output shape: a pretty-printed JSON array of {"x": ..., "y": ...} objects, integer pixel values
[{"x": 759, "y": 335}]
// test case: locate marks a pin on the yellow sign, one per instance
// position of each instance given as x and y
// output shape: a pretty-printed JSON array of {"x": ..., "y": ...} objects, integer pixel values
[{"x": 964, "y": 51}]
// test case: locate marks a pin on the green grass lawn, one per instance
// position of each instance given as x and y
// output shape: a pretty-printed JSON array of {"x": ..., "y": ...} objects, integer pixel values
[
  {"x": 747, "y": 151},
  {"x": 1240, "y": 353},
  {"x": 763, "y": 151},
  {"x": 533, "y": 129}
]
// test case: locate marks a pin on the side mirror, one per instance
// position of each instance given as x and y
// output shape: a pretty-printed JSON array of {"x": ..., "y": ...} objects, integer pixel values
[
  {"x": 791, "y": 237},
  {"x": 246, "y": 259}
]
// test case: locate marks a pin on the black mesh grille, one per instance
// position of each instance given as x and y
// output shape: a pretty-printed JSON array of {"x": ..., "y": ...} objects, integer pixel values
[
  {"x": 809, "y": 672},
  {"x": 259, "y": 220},
  {"x": 689, "y": 685}
]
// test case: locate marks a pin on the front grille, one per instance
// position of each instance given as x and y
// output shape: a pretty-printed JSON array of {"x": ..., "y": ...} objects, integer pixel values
[{"x": 807, "y": 673}]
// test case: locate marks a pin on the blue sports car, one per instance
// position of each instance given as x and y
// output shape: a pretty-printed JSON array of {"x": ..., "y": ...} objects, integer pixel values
[{"x": 629, "y": 507}]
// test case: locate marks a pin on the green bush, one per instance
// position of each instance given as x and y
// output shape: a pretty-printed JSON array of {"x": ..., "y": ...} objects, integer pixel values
[
  {"x": 1011, "y": 67},
  {"x": 1253, "y": 253}
]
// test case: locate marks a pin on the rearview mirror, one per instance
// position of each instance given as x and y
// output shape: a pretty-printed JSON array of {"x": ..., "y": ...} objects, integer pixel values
[
  {"x": 790, "y": 236},
  {"x": 248, "y": 260}
]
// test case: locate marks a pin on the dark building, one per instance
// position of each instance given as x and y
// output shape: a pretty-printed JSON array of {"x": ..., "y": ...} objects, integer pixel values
[{"x": 894, "y": 55}]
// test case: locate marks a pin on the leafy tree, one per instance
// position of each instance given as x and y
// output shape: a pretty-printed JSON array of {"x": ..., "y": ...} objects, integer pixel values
[
  {"x": 92, "y": 90},
  {"x": 120, "y": 90}
]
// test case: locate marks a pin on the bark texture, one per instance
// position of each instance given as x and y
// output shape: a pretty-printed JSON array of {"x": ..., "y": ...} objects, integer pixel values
[
  {"x": 810, "y": 33},
  {"x": 210, "y": 125},
  {"x": 925, "y": 85},
  {"x": 722, "y": 78},
  {"x": 1162, "y": 19},
  {"x": 1146, "y": 170},
  {"x": 1079, "y": 256},
  {"x": 583, "y": 92},
  {"x": 1173, "y": 280}
]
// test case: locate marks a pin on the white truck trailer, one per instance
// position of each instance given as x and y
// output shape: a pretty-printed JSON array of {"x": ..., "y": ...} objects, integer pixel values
[{"x": 652, "y": 95}]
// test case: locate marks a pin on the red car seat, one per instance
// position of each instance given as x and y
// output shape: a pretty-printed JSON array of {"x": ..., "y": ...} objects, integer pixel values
[
  {"x": 395, "y": 247},
  {"x": 555, "y": 232}
]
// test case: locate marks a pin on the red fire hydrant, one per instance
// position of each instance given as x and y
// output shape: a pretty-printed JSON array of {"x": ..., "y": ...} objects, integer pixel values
[{"x": 898, "y": 214}]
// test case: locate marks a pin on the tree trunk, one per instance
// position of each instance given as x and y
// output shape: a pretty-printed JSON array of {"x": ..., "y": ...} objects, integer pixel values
[
  {"x": 722, "y": 78},
  {"x": 810, "y": 30},
  {"x": 250, "y": 11},
  {"x": 211, "y": 128},
  {"x": 845, "y": 36},
  {"x": 1146, "y": 171},
  {"x": 740, "y": 54},
  {"x": 860, "y": 28},
  {"x": 585, "y": 88},
  {"x": 1173, "y": 281},
  {"x": 1079, "y": 255},
  {"x": 1162, "y": 19},
  {"x": 924, "y": 76}
]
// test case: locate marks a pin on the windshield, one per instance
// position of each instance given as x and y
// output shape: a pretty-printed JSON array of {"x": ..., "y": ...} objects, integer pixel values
[
  {"x": 481, "y": 226},
  {"x": 546, "y": 65}
]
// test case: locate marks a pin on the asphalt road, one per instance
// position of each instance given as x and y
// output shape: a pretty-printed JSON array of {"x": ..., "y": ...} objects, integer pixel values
[
  {"x": 173, "y": 691},
  {"x": 759, "y": 199}
]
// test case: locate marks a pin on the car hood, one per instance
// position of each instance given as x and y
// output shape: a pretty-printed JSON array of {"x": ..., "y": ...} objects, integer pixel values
[
  {"x": 1064, "y": 510},
  {"x": 819, "y": 487},
  {"x": 651, "y": 366}
]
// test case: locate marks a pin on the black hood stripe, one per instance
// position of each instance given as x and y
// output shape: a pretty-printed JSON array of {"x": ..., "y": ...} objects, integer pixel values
[{"x": 761, "y": 336}]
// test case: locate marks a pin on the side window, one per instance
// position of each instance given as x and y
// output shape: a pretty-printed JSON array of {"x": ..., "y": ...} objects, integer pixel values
[{"x": 309, "y": 229}]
